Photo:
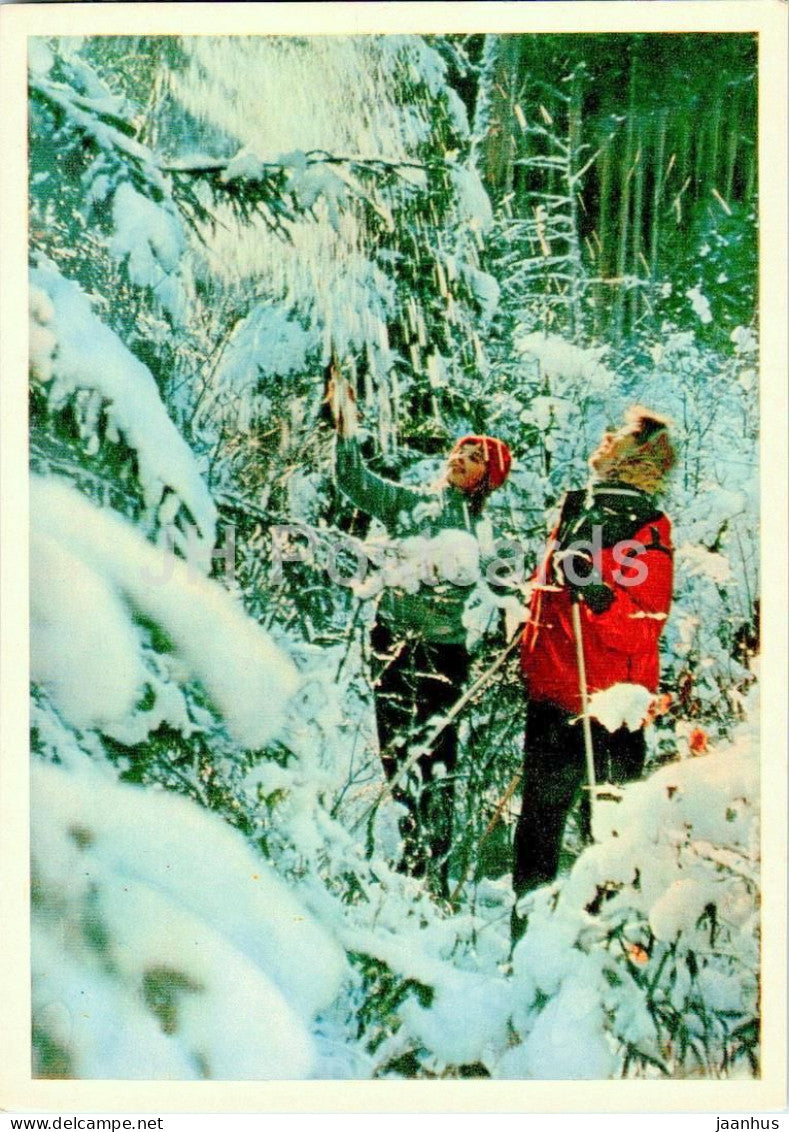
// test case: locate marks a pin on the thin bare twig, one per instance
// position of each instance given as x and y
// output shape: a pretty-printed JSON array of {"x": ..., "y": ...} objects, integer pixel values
[
  {"x": 494, "y": 821},
  {"x": 423, "y": 748}
]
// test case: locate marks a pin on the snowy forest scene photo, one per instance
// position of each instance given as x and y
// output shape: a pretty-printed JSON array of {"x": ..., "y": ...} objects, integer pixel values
[{"x": 394, "y": 557}]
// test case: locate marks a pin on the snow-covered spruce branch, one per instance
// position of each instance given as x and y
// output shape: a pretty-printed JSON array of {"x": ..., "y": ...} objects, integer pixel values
[
  {"x": 553, "y": 91},
  {"x": 59, "y": 94},
  {"x": 518, "y": 261},
  {"x": 113, "y": 137},
  {"x": 575, "y": 177},
  {"x": 312, "y": 157},
  {"x": 455, "y": 54},
  {"x": 534, "y": 230},
  {"x": 265, "y": 196},
  {"x": 540, "y": 131},
  {"x": 540, "y": 197},
  {"x": 107, "y": 131},
  {"x": 78, "y": 352},
  {"x": 266, "y": 190},
  {"x": 49, "y": 456},
  {"x": 236, "y": 504},
  {"x": 537, "y": 265}
]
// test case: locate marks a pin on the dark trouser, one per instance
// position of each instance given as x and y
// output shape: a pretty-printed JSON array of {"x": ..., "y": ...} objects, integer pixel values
[
  {"x": 554, "y": 770},
  {"x": 413, "y": 681}
]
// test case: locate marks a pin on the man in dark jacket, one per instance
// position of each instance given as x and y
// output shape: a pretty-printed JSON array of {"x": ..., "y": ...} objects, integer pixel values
[{"x": 610, "y": 556}]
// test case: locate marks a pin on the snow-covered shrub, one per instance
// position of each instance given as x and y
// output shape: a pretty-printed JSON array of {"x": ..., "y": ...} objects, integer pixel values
[{"x": 649, "y": 948}]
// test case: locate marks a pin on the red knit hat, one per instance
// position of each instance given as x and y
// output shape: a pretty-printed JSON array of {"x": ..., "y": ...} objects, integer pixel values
[{"x": 497, "y": 457}]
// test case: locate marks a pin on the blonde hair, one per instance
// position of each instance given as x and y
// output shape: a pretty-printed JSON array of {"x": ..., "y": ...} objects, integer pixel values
[{"x": 640, "y": 454}]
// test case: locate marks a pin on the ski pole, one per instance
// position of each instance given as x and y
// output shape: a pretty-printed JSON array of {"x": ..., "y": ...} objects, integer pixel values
[{"x": 587, "y": 727}]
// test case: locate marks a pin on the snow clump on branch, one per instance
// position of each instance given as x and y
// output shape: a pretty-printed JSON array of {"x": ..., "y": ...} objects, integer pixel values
[
  {"x": 559, "y": 358},
  {"x": 118, "y": 575},
  {"x": 150, "y": 909},
  {"x": 87, "y": 355}
]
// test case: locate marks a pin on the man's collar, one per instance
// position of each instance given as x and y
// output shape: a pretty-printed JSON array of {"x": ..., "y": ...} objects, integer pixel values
[{"x": 617, "y": 489}]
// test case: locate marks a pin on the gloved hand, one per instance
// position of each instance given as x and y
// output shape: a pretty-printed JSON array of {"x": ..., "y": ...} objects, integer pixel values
[
  {"x": 342, "y": 404},
  {"x": 573, "y": 567},
  {"x": 597, "y": 595},
  {"x": 576, "y": 570}
]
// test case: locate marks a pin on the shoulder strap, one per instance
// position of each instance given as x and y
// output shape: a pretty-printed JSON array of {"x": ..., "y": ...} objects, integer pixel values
[
  {"x": 571, "y": 510},
  {"x": 656, "y": 544},
  {"x": 618, "y": 514}
]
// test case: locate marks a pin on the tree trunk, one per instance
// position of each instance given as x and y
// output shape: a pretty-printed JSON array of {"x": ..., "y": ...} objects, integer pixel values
[
  {"x": 602, "y": 237},
  {"x": 657, "y": 196},
  {"x": 573, "y": 188},
  {"x": 684, "y": 179},
  {"x": 638, "y": 216},
  {"x": 700, "y": 155},
  {"x": 731, "y": 156},
  {"x": 712, "y": 170},
  {"x": 624, "y": 210},
  {"x": 498, "y": 148},
  {"x": 683, "y": 152},
  {"x": 752, "y": 175}
]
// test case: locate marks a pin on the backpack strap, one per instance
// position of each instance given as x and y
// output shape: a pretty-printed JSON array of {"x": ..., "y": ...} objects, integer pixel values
[
  {"x": 656, "y": 544},
  {"x": 573, "y": 507}
]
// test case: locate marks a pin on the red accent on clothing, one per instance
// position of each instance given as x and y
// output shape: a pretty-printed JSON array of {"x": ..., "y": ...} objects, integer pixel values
[{"x": 620, "y": 645}]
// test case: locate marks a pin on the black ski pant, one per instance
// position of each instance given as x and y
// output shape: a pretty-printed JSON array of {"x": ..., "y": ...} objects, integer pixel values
[
  {"x": 413, "y": 681},
  {"x": 554, "y": 770}
]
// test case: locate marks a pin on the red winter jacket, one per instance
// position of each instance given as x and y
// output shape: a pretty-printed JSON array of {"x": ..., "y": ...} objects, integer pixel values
[{"x": 620, "y": 644}]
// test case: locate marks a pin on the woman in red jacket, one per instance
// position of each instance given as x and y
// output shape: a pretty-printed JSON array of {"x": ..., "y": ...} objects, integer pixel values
[{"x": 610, "y": 553}]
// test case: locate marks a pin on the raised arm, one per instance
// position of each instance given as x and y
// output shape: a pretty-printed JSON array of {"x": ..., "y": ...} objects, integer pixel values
[{"x": 371, "y": 493}]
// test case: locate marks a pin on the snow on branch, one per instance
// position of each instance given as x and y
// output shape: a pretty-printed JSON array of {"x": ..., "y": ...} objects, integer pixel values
[
  {"x": 542, "y": 162},
  {"x": 264, "y": 193},
  {"x": 74, "y": 350},
  {"x": 107, "y": 131},
  {"x": 113, "y": 137},
  {"x": 187, "y": 935},
  {"x": 197, "y": 166},
  {"x": 553, "y": 139},
  {"x": 112, "y": 574},
  {"x": 283, "y": 189}
]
